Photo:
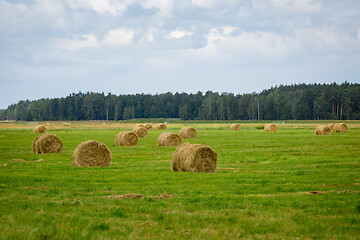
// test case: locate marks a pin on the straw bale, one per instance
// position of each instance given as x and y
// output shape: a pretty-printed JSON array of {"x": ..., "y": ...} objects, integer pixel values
[
  {"x": 331, "y": 126},
  {"x": 126, "y": 138},
  {"x": 140, "y": 132},
  {"x": 187, "y": 132},
  {"x": 235, "y": 126},
  {"x": 47, "y": 143},
  {"x": 148, "y": 126},
  {"x": 340, "y": 127},
  {"x": 322, "y": 130},
  {"x": 168, "y": 139},
  {"x": 91, "y": 154},
  {"x": 270, "y": 127},
  {"x": 140, "y": 125},
  {"x": 40, "y": 129},
  {"x": 161, "y": 126},
  {"x": 194, "y": 158}
]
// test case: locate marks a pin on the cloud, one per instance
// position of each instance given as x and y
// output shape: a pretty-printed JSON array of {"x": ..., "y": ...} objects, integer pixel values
[
  {"x": 78, "y": 42},
  {"x": 120, "y": 36},
  {"x": 213, "y": 3},
  {"x": 102, "y": 7},
  {"x": 179, "y": 34}
]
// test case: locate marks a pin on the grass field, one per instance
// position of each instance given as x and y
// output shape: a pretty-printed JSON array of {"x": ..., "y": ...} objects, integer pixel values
[{"x": 285, "y": 185}]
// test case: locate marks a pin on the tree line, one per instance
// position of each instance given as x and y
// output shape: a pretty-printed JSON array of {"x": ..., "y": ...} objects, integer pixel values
[{"x": 297, "y": 102}]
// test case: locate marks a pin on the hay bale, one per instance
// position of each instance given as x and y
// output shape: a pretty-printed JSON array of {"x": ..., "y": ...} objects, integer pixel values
[
  {"x": 270, "y": 127},
  {"x": 91, "y": 154},
  {"x": 194, "y": 158},
  {"x": 168, "y": 139},
  {"x": 161, "y": 126},
  {"x": 47, "y": 143},
  {"x": 235, "y": 126},
  {"x": 322, "y": 130},
  {"x": 140, "y": 125},
  {"x": 331, "y": 126},
  {"x": 40, "y": 129},
  {"x": 140, "y": 132},
  {"x": 148, "y": 126},
  {"x": 126, "y": 139},
  {"x": 340, "y": 127},
  {"x": 187, "y": 132}
]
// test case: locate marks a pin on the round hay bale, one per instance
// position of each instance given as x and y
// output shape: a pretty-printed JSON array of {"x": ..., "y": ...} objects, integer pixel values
[
  {"x": 168, "y": 139},
  {"x": 322, "y": 130},
  {"x": 126, "y": 139},
  {"x": 340, "y": 127},
  {"x": 270, "y": 127},
  {"x": 331, "y": 126},
  {"x": 194, "y": 158},
  {"x": 148, "y": 126},
  {"x": 140, "y": 132},
  {"x": 47, "y": 143},
  {"x": 187, "y": 132},
  {"x": 140, "y": 125},
  {"x": 91, "y": 154},
  {"x": 161, "y": 126},
  {"x": 235, "y": 126},
  {"x": 40, "y": 129}
]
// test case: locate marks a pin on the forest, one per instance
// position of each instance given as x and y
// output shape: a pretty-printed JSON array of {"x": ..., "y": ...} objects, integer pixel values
[{"x": 284, "y": 102}]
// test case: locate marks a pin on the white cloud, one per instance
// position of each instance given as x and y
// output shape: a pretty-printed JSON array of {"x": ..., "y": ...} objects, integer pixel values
[
  {"x": 306, "y": 6},
  {"x": 165, "y": 6},
  {"x": 177, "y": 34},
  {"x": 248, "y": 45},
  {"x": 78, "y": 42},
  {"x": 120, "y": 36},
  {"x": 213, "y": 3},
  {"x": 102, "y": 7}
]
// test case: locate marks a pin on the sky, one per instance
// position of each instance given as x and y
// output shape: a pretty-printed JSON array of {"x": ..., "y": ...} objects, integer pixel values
[{"x": 51, "y": 48}]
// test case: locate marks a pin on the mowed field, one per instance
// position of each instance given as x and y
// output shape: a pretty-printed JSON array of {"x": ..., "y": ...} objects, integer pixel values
[{"x": 290, "y": 184}]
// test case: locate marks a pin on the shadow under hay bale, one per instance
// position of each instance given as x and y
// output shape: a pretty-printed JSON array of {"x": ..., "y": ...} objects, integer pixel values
[
  {"x": 40, "y": 129},
  {"x": 140, "y": 132},
  {"x": 47, "y": 143},
  {"x": 91, "y": 154},
  {"x": 322, "y": 130},
  {"x": 148, "y": 126},
  {"x": 270, "y": 128},
  {"x": 161, "y": 126},
  {"x": 126, "y": 139},
  {"x": 340, "y": 127},
  {"x": 194, "y": 158},
  {"x": 235, "y": 126},
  {"x": 168, "y": 139},
  {"x": 187, "y": 132}
]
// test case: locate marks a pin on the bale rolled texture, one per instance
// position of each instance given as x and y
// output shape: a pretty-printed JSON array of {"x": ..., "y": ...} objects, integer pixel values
[
  {"x": 270, "y": 127},
  {"x": 187, "y": 132},
  {"x": 161, "y": 126},
  {"x": 340, "y": 127},
  {"x": 39, "y": 129},
  {"x": 148, "y": 126},
  {"x": 91, "y": 154},
  {"x": 47, "y": 143},
  {"x": 140, "y": 132},
  {"x": 322, "y": 130},
  {"x": 194, "y": 158},
  {"x": 126, "y": 139},
  {"x": 139, "y": 125},
  {"x": 168, "y": 139},
  {"x": 331, "y": 126},
  {"x": 235, "y": 126}
]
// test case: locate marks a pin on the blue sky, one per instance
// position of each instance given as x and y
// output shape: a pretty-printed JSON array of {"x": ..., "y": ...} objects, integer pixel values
[{"x": 51, "y": 48}]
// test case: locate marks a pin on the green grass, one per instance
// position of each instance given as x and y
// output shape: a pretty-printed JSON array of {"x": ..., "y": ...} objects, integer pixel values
[{"x": 261, "y": 190}]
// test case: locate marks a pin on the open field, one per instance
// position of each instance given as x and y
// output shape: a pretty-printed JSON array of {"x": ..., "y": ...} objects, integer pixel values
[{"x": 285, "y": 185}]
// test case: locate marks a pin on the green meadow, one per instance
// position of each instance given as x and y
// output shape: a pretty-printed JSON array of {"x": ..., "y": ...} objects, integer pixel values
[{"x": 290, "y": 184}]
